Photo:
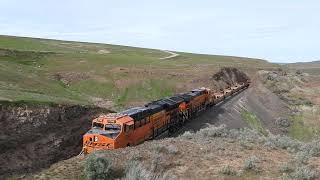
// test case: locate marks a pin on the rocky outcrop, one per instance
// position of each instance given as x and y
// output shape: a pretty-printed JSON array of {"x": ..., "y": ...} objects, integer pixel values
[{"x": 227, "y": 77}]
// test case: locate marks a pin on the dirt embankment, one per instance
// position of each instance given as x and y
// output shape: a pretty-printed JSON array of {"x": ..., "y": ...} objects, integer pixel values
[
  {"x": 228, "y": 77},
  {"x": 220, "y": 80},
  {"x": 35, "y": 136}
]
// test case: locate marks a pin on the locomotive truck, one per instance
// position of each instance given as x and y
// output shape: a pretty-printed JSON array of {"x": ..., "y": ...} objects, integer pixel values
[{"x": 136, "y": 125}]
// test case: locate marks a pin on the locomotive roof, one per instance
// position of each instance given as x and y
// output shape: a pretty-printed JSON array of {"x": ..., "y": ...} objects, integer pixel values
[
  {"x": 165, "y": 103},
  {"x": 198, "y": 90},
  {"x": 134, "y": 110},
  {"x": 176, "y": 98}
]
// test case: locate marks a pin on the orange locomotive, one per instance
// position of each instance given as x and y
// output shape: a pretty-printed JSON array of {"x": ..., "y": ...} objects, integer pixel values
[{"x": 136, "y": 125}]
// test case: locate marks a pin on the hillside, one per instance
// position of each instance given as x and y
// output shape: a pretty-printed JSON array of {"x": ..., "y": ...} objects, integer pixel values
[
  {"x": 50, "y": 90},
  {"x": 211, "y": 153},
  {"x": 309, "y": 67},
  {"x": 305, "y": 65},
  {"x": 105, "y": 75}
]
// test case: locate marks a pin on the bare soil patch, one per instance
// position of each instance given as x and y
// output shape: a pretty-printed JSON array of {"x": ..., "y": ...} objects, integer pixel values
[{"x": 68, "y": 78}]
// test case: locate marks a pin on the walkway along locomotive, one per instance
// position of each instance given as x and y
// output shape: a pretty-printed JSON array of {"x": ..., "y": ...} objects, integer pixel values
[{"x": 138, "y": 124}]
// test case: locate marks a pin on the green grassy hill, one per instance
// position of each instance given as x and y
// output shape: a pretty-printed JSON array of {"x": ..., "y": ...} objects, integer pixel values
[
  {"x": 308, "y": 67},
  {"x": 40, "y": 70}
]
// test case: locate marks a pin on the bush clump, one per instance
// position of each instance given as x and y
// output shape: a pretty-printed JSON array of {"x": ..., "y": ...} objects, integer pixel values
[
  {"x": 172, "y": 150},
  {"x": 302, "y": 157},
  {"x": 312, "y": 148},
  {"x": 136, "y": 157},
  {"x": 98, "y": 167},
  {"x": 283, "y": 122},
  {"x": 246, "y": 134},
  {"x": 245, "y": 144},
  {"x": 214, "y": 131},
  {"x": 159, "y": 148},
  {"x": 227, "y": 170},
  {"x": 304, "y": 173},
  {"x": 135, "y": 171},
  {"x": 251, "y": 163},
  {"x": 285, "y": 168},
  {"x": 283, "y": 142},
  {"x": 187, "y": 135}
]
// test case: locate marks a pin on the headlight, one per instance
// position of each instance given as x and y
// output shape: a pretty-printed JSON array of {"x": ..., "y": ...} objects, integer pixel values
[{"x": 96, "y": 139}]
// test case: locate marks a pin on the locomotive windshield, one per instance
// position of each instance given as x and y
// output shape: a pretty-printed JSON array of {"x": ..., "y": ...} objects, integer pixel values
[
  {"x": 112, "y": 130},
  {"x": 112, "y": 127},
  {"x": 97, "y": 125}
]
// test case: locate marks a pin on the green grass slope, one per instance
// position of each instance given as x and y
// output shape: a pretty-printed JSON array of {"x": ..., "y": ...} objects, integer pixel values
[{"x": 88, "y": 73}]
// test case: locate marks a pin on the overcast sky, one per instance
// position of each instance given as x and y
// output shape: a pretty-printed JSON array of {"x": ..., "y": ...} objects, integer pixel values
[{"x": 276, "y": 30}]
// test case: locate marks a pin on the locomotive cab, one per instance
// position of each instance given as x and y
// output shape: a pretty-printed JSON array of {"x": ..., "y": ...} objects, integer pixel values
[{"x": 105, "y": 132}]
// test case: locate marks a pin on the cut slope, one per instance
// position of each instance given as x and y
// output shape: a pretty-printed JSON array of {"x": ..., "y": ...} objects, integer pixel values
[
  {"x": 257, "y": 101},
  {"x": 227, "y": 77},
  {"x": 35, "y": 136}
]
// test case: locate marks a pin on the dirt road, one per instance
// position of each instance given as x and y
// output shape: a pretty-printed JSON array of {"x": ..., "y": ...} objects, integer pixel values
[{"x": 172, "y": 55}]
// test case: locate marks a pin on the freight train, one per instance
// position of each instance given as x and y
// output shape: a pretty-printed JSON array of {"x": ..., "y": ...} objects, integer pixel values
[{"x": 138, "y": 124}]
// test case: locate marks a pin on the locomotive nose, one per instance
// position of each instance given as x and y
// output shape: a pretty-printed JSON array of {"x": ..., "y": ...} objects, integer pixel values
[
  {"x": 92, "y": 139},
  {"x": 92, "y": 142}
]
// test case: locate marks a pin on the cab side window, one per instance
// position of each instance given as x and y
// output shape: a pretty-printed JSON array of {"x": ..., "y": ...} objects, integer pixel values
[
  {"x": 137, "y": 124},
  {"x": 143, "y": 122},
  {"x": 147, "y": 120},
  {"x": 126, "y": 128}
]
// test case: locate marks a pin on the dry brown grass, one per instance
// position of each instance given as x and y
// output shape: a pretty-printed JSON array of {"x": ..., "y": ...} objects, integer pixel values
[{"x": 194, "y": 158}]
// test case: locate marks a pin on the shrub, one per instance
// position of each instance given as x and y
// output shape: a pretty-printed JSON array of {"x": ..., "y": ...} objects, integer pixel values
[
  {"x": 172, "y": 149},
  {"x": 227, "y": 170},
  {"x": 304, "y": 173},
  {"x": 135, "y": 171},
  {"x": 97, "y": 167},
  {"x": 251, "y": 163},
  {"x": 165, "y": 149},
  {"x": 246, "y": 134},
  {"x": 312, "y": 148},
  {"x": 135, "y": 156},
  {"x": 285, "y": 168},
  {"x": 283, "y": 142},
  {"x": 283, "y": 122},
  {"x": 214, "y": 131},
  {"x": 158, "y": 164},
  {"x": 159, "y": 148},
  {"x": 302, "y": 157},
  {"x": 187, "y": 135},
  {"x": 245, "y": 144}
]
